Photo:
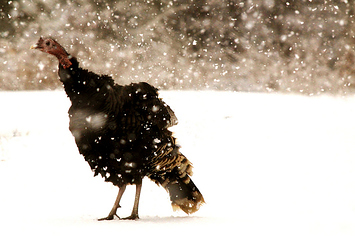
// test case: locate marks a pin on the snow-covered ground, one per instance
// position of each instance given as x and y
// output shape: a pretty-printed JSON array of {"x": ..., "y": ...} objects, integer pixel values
[{"x": 267, "y": 164}]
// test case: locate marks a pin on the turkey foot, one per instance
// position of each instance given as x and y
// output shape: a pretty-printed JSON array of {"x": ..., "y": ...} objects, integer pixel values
[
  {"x": 134, "y": 214},
  {"x": 116, "y": 205},
  {"x": 131, "y": 217},
  {"x": 109, "y": 217}
]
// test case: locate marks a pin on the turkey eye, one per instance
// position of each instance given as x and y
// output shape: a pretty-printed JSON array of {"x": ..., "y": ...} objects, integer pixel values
[{"x": 48, "y": 43}]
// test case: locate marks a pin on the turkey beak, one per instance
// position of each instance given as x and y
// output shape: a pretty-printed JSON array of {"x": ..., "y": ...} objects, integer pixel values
[
  {"x": 34, "y": 46},
  {"x": 37, "y": 45}
]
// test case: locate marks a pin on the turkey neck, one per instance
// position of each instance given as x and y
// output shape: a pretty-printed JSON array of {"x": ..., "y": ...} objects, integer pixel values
[
  {"x": 69, "y": 76},
  {"x": 64, "y": 58}
]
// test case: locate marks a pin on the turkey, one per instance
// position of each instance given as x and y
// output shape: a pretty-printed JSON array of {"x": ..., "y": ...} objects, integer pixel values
[{"x": 122, "y": 132}]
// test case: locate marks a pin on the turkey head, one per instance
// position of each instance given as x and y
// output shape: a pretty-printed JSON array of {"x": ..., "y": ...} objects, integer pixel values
[{"x": 51, "y": 46}]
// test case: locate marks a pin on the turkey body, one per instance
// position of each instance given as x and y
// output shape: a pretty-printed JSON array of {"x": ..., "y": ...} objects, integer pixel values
[{"x": 122, "y": 132}]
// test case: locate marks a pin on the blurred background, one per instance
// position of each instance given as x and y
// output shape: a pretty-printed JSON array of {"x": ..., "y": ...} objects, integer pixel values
[{"x": 304, "y": 46}]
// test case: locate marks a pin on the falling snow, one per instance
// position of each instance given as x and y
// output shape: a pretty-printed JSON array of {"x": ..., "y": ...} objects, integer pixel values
[
  {"x": 259, "y": 45},
  {"x": 285, "y": 163}
]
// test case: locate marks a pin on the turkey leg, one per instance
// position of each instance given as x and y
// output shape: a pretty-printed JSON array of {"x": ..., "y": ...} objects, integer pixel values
[
  {"x": 134, "y": 214},
  {"x": 116, "y": 205}
]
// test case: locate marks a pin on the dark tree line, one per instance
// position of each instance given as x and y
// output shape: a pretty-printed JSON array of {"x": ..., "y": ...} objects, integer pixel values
[{"x": 255, "y": 45}]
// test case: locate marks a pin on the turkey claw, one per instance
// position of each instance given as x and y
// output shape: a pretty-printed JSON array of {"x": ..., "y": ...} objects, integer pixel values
[
  {"x": 131, "y": 217},
  {"x": 110, "y": 217}
]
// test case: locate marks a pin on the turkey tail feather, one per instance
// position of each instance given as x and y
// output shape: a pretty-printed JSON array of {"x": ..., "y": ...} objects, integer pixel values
[
  {"x": 185, "y": 195},
  {"x": 172, "y": 170}
]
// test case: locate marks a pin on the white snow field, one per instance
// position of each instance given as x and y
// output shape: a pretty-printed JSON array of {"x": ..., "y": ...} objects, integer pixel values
[{"x": 267, "y": 164}]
